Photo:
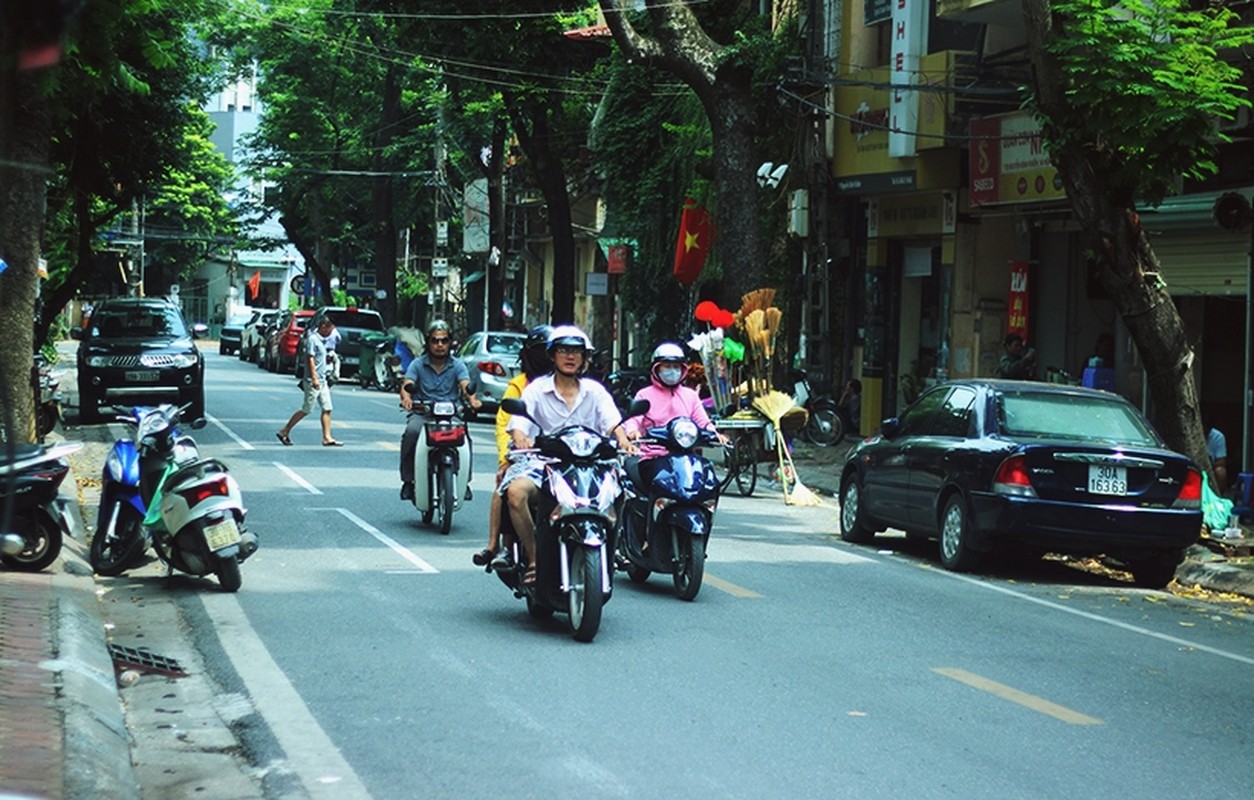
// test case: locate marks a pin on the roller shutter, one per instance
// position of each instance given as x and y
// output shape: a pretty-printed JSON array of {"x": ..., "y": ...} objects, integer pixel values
[{"x": 1211, "y": 263}]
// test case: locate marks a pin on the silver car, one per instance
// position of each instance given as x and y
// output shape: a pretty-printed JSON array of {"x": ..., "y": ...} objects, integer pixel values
[{"x": 492, "y": 360}]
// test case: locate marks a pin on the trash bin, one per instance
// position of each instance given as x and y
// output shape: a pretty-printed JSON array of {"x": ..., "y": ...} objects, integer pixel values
[{"x": 371, "y": 366}]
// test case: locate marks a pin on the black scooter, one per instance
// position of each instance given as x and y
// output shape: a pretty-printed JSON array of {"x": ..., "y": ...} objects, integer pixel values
[
  {"x": 668, "y": 508},
  {"x": 35, "y": 518}
]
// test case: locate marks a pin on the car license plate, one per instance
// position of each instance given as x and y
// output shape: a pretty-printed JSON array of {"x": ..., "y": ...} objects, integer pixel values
[
  {"x": 222, "y": 534},
  {"x": 1107, "y": 479},
  {"x": 143, "y": 376}
]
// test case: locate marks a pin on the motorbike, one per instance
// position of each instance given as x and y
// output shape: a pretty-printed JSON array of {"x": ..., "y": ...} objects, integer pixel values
[
  {"x": 824, "y": 425},
  {"x": 48, "y": 397},
  {"x": 37, "y": 518},
  {"x": 156, "y": 488},
  {"x": 441, "y": 463},
  {"x": 666, "y": 520},
  {"x": 575, "y": 521}
]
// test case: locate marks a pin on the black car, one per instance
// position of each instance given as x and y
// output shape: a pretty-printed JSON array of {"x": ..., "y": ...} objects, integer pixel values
[
  {"x": 1042, "y": 467},
  {"x": 350, "y": 323},
  {"x": 139, "y": 350},
  {"x": 233, "y": 331}
]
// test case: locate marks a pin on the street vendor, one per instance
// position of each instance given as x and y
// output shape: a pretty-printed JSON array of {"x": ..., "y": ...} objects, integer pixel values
[{"x": 668, "y": 398}]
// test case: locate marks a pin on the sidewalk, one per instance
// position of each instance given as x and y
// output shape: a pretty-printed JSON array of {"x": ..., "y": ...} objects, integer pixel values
[{"x": 819, "y": 470}]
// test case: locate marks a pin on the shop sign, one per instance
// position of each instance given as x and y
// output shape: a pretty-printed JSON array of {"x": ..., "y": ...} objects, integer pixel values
[
  {"x": 909, "y": 215},
  {"x": 1017, "y": 305},
  {"x": 1009, "y": 162},
  {"x": 876, "y": 11},
  {"x": 617, "y": 259}
]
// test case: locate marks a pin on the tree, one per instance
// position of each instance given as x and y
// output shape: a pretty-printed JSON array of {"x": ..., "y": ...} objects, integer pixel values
[{"x": 1129, "y": 95}]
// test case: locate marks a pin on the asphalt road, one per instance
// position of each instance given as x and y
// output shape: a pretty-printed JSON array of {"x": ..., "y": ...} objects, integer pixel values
[{"x": 367, "y": 656}]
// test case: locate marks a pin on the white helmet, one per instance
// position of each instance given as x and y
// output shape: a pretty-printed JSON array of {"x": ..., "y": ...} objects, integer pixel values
[
  {"x": 669, "y": 351},
  {"x": 569, "y": 336},
  {"x": 670, "y": 365}
]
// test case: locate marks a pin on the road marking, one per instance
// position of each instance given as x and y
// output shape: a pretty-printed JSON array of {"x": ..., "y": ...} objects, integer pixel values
[
  {"x": 390, "y": 445},
  {"x": 298, "y": 479},
  {"x": 403, "y": 552},
  {"x": 317, "y": 762},
  {"x": 245, "y": 445},
  {"x": 731, "y": 588},
  {"x": 1038, "y": 704},
  {"x": 1104, "y": 620}
]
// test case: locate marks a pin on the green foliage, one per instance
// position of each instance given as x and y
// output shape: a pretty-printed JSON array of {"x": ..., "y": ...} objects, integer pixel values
[{"x": 1146, "y": 87}]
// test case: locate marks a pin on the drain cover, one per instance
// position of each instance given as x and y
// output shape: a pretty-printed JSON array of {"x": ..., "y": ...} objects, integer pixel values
[{"x": 138, "y": 658}]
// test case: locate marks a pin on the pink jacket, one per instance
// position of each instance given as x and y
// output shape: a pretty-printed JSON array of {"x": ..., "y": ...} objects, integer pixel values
[{"x": 665, "y": 404}]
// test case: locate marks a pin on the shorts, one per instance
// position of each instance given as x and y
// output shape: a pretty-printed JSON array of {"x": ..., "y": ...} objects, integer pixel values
[
  {"x": 527, "y": 468},
  {"x": 320, "y": 396}
]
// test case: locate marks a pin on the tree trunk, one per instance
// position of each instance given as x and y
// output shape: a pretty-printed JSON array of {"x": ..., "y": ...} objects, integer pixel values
[
  {"x": 25, "y": 137},
  {"x": 1129, "y": 268}
]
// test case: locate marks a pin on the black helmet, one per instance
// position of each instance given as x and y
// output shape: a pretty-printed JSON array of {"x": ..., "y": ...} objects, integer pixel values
[{"x": 538, "y": 337}]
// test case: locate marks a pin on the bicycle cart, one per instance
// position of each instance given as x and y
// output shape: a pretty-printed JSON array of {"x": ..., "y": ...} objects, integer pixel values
[{"x": 747, "y": 436}]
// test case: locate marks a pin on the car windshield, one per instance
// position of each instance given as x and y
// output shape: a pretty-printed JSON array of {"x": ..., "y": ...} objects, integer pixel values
[
  {"x": 239, "y": 320},
  {"x": 368, "y": 320},
  {"x": 1067, "y": 416},
  {"x": 504, "y": 345},
  {"x": 122, "y": 321}
]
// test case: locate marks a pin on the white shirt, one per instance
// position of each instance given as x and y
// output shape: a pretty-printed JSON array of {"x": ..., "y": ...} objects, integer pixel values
[{"x": 594, "y": 407}]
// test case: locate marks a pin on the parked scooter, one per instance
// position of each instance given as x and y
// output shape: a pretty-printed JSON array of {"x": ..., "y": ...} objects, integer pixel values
[
  {"x": 38, "y": 519},
  {"x": 824, "y": 426},
  {"x": 48, "y": 397},
  {"x": 158, "y": 488},
  {"x": 441, "y": 463},
  {"x": 666, "y": 520},
  {"x": 575, "y": 522}
]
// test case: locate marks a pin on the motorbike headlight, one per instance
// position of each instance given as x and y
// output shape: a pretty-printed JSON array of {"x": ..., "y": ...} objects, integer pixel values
[
  {"x": 685, "y": 432},
  {"x": 581, "y": 443},
  {"x": 444, "y": 408},
  {"x": 113, "y": 465}
]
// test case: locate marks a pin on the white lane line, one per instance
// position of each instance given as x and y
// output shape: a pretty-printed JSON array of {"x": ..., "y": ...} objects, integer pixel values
[
  {"x": 318, "y": 763},
  {"x": 298, "y": 479},
  {"x": 245, "y": 445},
  {"x": 1104, "y": 620},
  {"x": 403, "y": 552}
]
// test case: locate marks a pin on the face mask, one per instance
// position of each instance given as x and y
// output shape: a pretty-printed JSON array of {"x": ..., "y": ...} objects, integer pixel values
[{"x": 670, "y": 376}]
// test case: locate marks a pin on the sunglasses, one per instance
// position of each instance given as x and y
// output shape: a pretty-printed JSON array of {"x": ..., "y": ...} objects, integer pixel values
[{"x": 439, "y": 340}]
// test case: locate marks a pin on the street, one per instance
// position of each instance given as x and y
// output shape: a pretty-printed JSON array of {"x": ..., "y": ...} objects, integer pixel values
[{"x": 366, "y": 656}]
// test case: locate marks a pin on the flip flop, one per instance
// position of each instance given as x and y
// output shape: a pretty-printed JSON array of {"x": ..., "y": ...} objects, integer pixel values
[
  {"x": 333, "y": 443},
  {"x": 529, "y": 577},
  {"x": 287, "y": 442}
]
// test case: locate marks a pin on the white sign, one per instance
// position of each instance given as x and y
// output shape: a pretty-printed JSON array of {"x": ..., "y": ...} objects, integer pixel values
[
  {"x": 597, "y": 284},
  {"x": 909, "y": 44},
  {"x": 439, "y": 267},
  {"x": 476, "y": 237}
]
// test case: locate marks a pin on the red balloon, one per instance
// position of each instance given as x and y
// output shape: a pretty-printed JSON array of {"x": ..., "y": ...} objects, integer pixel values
[
  {"x": 723, "y": 319},
  {"x": 705, "y": 310}
]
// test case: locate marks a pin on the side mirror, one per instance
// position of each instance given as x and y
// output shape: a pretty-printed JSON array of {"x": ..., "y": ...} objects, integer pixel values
[
  {"x": 200, "y": 330},
  {"x": 637, "y": 408},
  {"x": 512, "y": 405},
  {"x": 890, "y": 427}
]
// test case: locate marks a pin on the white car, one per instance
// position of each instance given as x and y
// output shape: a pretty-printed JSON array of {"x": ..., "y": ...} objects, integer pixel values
[
  {"x": 252, "y": 340},
  {"x": 492, "y": 359}
]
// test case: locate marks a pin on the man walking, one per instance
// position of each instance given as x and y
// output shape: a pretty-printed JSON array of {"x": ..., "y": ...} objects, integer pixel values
[{"x": 315, "y": 385}]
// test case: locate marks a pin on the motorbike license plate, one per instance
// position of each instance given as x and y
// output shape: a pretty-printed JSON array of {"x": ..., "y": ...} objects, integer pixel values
[
  {"x": 1108, "y": 479},
  {"x": 143, "y": 375},
  {"x": 222, "y": 534}
]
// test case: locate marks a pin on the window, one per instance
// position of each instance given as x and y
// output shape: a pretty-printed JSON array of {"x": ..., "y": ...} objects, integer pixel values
[
  {"x": 954, "y": 418},
  {"x": 918, "y": 418},
  {"x": 1071, "y": 416}
]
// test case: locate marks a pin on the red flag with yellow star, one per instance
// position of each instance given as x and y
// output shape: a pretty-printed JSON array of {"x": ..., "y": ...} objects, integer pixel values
[
  {"x": 696, "y": 235},
  {"x": 254, "y": 284}
]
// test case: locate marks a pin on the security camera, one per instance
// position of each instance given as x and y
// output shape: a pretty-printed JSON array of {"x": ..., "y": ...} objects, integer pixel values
[{"x": 769, "y": 174}]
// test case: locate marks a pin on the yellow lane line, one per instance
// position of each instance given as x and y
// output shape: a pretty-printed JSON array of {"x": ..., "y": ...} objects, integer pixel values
[
  {"x": 1015, "y": 696},
  {"x": 390, "y": 446},
  {"x": 731, "y": 588}
]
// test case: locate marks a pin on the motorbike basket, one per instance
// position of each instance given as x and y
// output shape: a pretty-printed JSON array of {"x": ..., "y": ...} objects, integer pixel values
[{"x": 445, "y": 434}]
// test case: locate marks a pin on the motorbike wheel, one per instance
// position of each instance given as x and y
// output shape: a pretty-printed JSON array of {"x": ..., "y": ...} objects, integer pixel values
[
  {"x": 45, "y": 419},
  {"x": 111, "y": 555},
  {"x": 585, "y": 597},
  {"x": 445, "y": 498},
  {"x": 824, "y": 428},
  {"x": 690, "y": 567},
  {"x": 43, "y": 544},
  {"x": 228, "y": 574}
]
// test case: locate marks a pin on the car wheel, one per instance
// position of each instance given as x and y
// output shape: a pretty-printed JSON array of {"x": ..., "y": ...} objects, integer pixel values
[
  {"x": 197, "y": 408},
  {"x": 853, "y": 522},
  {"x": 1157, "y": 571},
  {"x": 956, "y": 553}
]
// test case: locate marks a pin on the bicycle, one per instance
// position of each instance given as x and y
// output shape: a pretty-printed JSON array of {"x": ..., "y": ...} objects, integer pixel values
[{"x": 740, "y": 455}]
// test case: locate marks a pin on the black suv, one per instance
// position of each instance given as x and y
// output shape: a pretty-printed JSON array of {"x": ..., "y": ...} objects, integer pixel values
[
  {"x": 139, "y": 349},
  {"x": 351, "y": 322}
]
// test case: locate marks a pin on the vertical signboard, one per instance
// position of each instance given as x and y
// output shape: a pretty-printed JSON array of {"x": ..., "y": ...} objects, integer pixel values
[
  {"x": 909, "y": 43},
  {"x": 1017, "y": 313},
  {"x": 475, "y": 219}
]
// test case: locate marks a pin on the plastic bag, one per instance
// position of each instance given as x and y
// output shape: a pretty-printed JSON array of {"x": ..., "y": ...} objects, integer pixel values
[{"x": 1215, "y": 509}]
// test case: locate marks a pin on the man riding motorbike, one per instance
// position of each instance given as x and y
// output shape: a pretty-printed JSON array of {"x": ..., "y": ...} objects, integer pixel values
[
  {"x": 431, "y": 377},
  {"x": 555, "y": 401},
  {"x": 534, "y": 361}
]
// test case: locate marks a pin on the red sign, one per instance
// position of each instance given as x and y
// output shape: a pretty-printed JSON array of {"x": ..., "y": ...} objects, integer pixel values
[
  {"x": 617, "y": 258},
  {"x": 1017, "y": 316}
]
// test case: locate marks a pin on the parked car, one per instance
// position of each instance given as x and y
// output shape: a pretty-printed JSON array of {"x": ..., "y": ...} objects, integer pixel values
[
  {"x": 281, "y": 343},
  {"x": 233, "y": 331},
  {"x": 252, "y": 338},
  {"x": 139, "y": 350},
  {"x": 492, "y": 360},
  {"x": 1043, "y": 467},
  {"x": 351, "y": 323}
]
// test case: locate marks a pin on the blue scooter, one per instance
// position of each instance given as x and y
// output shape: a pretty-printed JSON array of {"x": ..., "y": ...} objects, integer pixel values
[{"x": 668, "y": 508}]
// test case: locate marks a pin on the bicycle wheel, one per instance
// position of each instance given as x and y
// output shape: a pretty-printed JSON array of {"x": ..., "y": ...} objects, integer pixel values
[{"x": 747, "y": 468}]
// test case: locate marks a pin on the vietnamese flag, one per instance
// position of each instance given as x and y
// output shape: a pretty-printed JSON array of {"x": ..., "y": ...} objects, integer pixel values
[
  {"x": 254, "y": 284},
  {"x": 696, "y": 235}
]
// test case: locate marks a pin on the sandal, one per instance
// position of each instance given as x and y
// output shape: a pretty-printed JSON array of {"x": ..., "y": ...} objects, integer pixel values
[
  {"x": 529, "y": 577},
  {"x": 483, "y": 557},
  {"x": 282, "y": 437}
]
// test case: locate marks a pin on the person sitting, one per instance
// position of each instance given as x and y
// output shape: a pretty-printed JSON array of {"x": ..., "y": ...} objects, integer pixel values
[
  {"x": 534, "y": 361},
  {"x": 1217, "y": 449},
  {"x": 849, "y": 406},
  {"x": 554, "y": 401}
]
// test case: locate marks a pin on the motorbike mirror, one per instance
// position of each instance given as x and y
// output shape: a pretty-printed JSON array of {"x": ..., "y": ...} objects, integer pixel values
[
  {"x": 200, "y": 330},
  {"x": 638, "y": 408},
  {"x": 512, "y": 405}
]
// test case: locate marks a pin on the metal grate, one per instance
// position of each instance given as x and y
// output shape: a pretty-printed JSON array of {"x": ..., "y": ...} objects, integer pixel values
[{"x": 141, "y": 659}]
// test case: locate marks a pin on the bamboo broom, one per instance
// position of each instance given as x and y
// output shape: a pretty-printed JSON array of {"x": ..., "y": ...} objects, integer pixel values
[{"x": 774, "y": 405}]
